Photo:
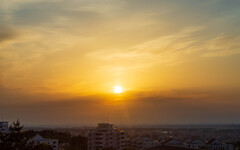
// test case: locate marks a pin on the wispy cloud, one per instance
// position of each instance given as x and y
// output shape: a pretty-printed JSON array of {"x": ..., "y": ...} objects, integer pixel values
[
  {"x": 223, "y": 45},
  {"x": 169, "y": 49}
]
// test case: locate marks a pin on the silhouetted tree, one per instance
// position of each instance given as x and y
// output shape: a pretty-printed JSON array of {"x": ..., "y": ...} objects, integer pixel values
[
  {"x": 4, "y": 141},
  {"x": 63, "y": 137},
  {"x": 42, "y": 147},
  {"x": 15, "y": 135},
  {"x": 15, "y": 139},
  {"x": 109, "y": 148},
  {"x": 77, "y": 143}
]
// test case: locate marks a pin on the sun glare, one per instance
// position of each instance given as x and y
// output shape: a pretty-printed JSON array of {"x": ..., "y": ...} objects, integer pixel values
[{"x": 118, "y": 89}]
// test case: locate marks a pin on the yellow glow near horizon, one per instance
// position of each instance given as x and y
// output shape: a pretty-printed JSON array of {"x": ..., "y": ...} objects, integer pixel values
[{"x": 118, "y": 89}]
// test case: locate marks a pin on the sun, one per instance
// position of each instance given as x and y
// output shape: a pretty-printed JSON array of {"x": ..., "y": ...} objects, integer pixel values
[{"x": 117, "y": 89}]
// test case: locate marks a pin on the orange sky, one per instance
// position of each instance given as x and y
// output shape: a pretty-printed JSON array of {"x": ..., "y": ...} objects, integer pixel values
[{"x": 65, "y": 57}]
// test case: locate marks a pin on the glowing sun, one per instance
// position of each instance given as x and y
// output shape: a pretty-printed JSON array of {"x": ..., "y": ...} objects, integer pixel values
[{"x": 117, "y": 89}]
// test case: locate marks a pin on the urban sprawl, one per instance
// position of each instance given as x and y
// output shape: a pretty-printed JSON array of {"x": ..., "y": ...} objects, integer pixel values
[{"x": 107, "y": 136}]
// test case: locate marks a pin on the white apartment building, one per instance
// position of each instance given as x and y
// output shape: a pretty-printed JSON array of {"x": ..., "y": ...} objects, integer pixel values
[
  {"x": 4, "y": 127},
  {"x": 37, "y": 139},
  {"x": 106, "y": 136}
]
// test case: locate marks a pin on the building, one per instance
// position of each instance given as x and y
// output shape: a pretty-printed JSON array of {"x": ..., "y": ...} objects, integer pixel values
[
  {"x": 142, "y": 143},
  {"x": 4, "y": 126},
  {"x": 195, "y": 144},
  {"x": 106, "y": 136},
  {"x": 37, "y": 139},
  {"x": 173, "y": 142},
  {"x": 217, "y": 144}
]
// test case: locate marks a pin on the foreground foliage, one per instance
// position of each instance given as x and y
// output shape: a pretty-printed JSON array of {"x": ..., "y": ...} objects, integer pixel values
[{"x": 16, "y": 139}]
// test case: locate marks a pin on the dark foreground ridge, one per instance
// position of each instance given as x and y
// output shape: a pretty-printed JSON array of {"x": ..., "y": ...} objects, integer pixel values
[{"x": 169, "y": 148}]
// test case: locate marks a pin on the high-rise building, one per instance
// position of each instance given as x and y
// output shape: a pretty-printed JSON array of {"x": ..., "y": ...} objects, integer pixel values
[
  {"x": 4, "y": 126},
  {"x": 106, "y": 136}
]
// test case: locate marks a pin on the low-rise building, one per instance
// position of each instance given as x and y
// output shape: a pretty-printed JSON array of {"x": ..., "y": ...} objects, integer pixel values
[
  {"x": 142, "y": 143},
  {"x": 37, "y": 139},
  {"x": 4, "y": 127},
  {"x": 173, "y": 142},
  {"x": 195, "y": 144},
  {"x": 217, "y": 144}
]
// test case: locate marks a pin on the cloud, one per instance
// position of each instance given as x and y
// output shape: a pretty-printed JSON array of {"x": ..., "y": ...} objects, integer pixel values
[
  {"x": 38, "y": 14},
  {"x": 7, "y": 33},
  {"x": 169, "y": 49},
  {"x": 73, "y": 47},
  {"x": 223, "y": 45},
  {"x": 138, "y": 107}
]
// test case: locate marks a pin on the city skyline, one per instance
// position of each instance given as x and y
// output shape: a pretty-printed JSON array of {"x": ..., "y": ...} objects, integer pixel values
[{"x": 132, "y": 62}]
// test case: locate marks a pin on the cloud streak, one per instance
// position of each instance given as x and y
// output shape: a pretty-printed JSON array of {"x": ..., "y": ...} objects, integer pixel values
[{"x": 169, "y": 107}]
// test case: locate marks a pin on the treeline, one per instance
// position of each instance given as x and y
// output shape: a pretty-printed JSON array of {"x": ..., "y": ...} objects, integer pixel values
[
  {"x": 65, "y": 139},
  {"x": 16, "y": 139}
]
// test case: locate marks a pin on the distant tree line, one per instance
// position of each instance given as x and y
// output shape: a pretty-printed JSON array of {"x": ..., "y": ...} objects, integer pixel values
[{"x": 16, "y": 139}]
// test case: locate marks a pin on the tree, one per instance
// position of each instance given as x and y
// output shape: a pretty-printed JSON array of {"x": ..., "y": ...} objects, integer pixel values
[
  {"x": 4, "y": 142},
  {"x": 109, "y": 148},
  {"x": 13, "y": 140},
  {"x": 43, "y": 147},
  {"x": 77, "y": 143}
]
